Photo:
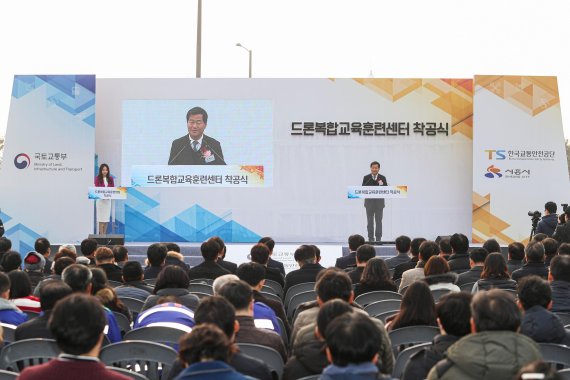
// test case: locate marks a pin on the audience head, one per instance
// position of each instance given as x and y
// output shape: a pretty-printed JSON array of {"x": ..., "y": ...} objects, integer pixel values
[
  {"x": 4, "y": 286},
  {"x": 534, "y": 252},
  {"x": 428, "y": 249},
  {"x": 534, "y": 291},
  {"x": 550, "y": 247},
  {"x": 436, "y": 265},
  {"x": 495, "y": 267},
  {"x": 51, "y": 292},
  {"x": 333, "y": 283},
  {"x": 516, "y": 251},
  {"x": 88, "y": 247},
  {"x": 70, "y": 247},
  {"x": 376, "y": 272},
  {"x": 403, "y": 244},
  {"x": 459, "y": 243},
  {"x": 328, "y": 312},
  {"x": 560, "y": 268},
  {"x": 205, "y": 342},
  {"x": 478, "y": 256},
  {"x": 219, "y": 282},
  {"x": 42, "y": 246},
  {"x": 222, "y": 253},
  {"x": 5, "y": 244},
  {"x": 317, "y": 253},
  {"x": 454, "y": 313},
  {"x": 352, "y": 338},
  {"x": 539, "y": 237},
  {"x": 11, "y": 260},
  {"x": 104, "y": 255},
  {"x": 259, "y": 254},
  {"x": 210, "y": 250},
  {"x": 77, "y": 323},
  {"x": 364, "y": 253},
  {"x": 78, "y": 277},
  {"x": 550, "y": 207},
  {"x": 494, "y": 310},
  {"x": 355, "y": 241},
  {"x": 121, "y": 253},
  {"x": 60, "y": 264},
  {"x": 252, "y": 273},
  {"x": 269, "y": 242},
  {"x": 132, "y": 271},
  {"x": 564, "y": 248},
  {"x": 99, "y": 280},
  {"x": 64, "y": 252},
  {"x": 20, "y": 284},
  {"x": 445, "y": 246},
  {"x": 240, "y": 295},
  {"x": 218, "y": 311},
  {"x": 305, "y": 254},
  {"x": 171, "y": 276},
  {"x": 417, "y": 307},
  {"x": 156, "y": 254},
  {"x": 34, "y": 262},
  {"x": 172, "y": 247},
  {"x": 492, "y": 245},
  {"x": 175, "y": 255},
  {"x": 415, "y": 246}
]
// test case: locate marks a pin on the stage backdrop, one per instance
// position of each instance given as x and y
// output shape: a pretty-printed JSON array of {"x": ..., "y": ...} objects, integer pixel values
[
  {"x": 48, "y": 160},
  {"x": 519, "y": 155},
  {"x": 312, "y": 137}
]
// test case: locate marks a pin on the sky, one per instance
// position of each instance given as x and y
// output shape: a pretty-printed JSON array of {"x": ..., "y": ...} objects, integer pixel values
[{"x": 289, "y": 39}]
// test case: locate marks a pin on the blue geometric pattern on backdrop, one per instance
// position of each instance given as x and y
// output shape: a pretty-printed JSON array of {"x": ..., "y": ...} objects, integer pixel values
[
  {"x": 194, "y": 224},
  {"x": 5, "y": 217},
  {"x": 23, "y": 238}
]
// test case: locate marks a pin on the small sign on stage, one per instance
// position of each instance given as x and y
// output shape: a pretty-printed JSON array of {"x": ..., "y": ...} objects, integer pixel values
[
  {"x": 107, "y": 192},
  {"x": 372, "y": 192}
]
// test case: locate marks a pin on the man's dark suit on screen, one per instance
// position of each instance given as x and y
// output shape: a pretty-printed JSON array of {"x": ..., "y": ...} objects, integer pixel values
[
  {"x": 374, "y": 207},
  {"x": 182, "y": 153}
]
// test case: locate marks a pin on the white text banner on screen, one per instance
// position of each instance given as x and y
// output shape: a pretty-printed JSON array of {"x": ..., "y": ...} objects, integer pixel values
[
  {"x": 197, "y": 175},
  {"x": 363, "y": 192}
]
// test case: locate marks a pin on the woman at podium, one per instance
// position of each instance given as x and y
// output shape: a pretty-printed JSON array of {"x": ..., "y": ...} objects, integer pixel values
[{"x": 103, "y": 206}]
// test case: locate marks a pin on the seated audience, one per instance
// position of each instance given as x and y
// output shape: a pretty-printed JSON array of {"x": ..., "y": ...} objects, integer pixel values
[
  {"x": 459, "y": 260},
  {"x": 445, "y": 250},
  {"x": 58, "y": 266},
  {"x": 494, "y": 350},
  {"x": 21, "y": 292},
  {"x": 227, "y": 265},
  {"x": 550, "y": 250},
  {"x": 427, "y": 250},
  {"x": 564, "y": 249},
  {"x": 516, "y": 256},
  {"x": 99, "y": 280},
  {"x": 260, "y": 254},
  {"x": 121, "y": 254},
  {"x": 534, "y": 254},
  {"x": 5, "y": 246},
  {"x": 172, "y": 281},
  {"x": 306, "y": 258},
  {"x": 477, "y": 258},
  {"x": 354, "y": 241},
  {"x": 88, "y": 248},
  {"x": 50, "y": 292},
  {"x": 417, "y": 308},
  {"x": 410, "y": 264},
  {"x": 9, "y": 312},
  {"x": 559, "y": 277},
  {"x": 156, "y": 256},
  {"x": 109, "y": 299},
  {"x": 11, "y": 260},
  {"x": 176, "y": 258},
  {"x": 453, "y": 318},
  {"x": 535, "y": 298},
  {"x": 270, "y": 243},
  {"x": 206, "y": 352},
  {"x": 79, "y": 339},
  {"x": 495, "y": 274},
  {"x": 43, "y": 247},
  {"x": 105, "y": 260},
  {"x": 209, "y": 268},
  {"x": 492, "y": 246},
  {"x": 167, "y": 312},
  {"x": 364, "y": 253},
  {"x": 133, "y": 285},
  {"x": 438, "y": 275},
  {"x": 403, "y": 244},
  {"x": 375, "y": 276}
]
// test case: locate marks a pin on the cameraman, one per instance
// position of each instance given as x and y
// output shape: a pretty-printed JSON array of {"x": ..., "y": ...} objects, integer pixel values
[
  {"x": 562, "y": 233},
  {"x": 548, "y": 223}
]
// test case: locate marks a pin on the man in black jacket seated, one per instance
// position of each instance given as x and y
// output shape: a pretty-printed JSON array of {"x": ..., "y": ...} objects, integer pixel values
[
  {"x": 260, "y": 254},
  {"x": 534, "y": 253},
  {"x": 516, "y": 256},
  {"x": 412, "y": 262},
  {"x": 459, "y": 260},
  {"x": 453, "y": 317},
  {"x": 306, "y": 257},
  {"x": 209, "y": 268},
  {"x": 476, "y": 260},
  {"x": 354, "y": 241},
  {"x": 270, "y": 243},
  {"x": 559, "y": 277}
]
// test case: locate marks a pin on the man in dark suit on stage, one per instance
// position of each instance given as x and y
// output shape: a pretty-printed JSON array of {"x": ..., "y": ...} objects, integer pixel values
[
  {"x": 374, "y": 207},
  {"x": 196, "y": 148}
]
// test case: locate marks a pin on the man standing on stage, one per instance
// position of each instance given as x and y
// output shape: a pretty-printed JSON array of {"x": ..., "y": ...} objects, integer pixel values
[{"x": 374, "y": 207}]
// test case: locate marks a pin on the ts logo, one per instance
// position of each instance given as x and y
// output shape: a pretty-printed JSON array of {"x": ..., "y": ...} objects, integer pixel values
[{"x": 498, "y": 153}]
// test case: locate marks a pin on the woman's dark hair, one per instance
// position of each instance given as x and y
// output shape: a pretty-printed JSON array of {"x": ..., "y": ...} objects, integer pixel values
[
  {"x": 376, "y": 273},
  {"x": 100, "y": 175},
  {"x": 495, "y": 267},
  {"x": 20, "y": 285},
  {"x": 171, "y": 276},
  {"x": 436, "y": 265},
  {"x": 204, "y": 342},
  {"x": 110, "y": 300},
  {"x": 99, "y": 280},
  {"x": 417, "y": 308}
]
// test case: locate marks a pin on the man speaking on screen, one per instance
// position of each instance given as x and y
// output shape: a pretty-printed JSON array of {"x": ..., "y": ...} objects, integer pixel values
[
  {"x": 196, "y": 148},
  {"x": 374, "y": 207}
]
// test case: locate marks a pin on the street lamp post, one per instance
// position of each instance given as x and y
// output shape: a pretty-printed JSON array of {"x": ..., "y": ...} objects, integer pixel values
[{"x": 250, "y": 54}]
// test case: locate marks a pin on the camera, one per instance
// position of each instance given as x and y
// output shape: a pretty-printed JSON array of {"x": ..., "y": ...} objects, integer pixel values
[
  {"x": 564, "y": 206},
  {"x": 534, "y": 214}
]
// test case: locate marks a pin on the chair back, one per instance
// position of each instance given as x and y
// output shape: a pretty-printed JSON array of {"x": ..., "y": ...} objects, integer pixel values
[
  {"x": 438, "y": 293},
  {"x": 153, "y": 360},
  {"x": 268, "y": 289},
  {"x": 555, "y": 353},
  {"x": 157, "y": 334},
  {"x": 564, "y": 318},
  {"x": 564, "y": 374},
  {"x": 298, "y": 299},
  {"x": 201, "y": 288},
  {"x": 8, "y": 332},
  {"x": 134, "y": 305},
  {"x": 275, "y": 286},
  {"x": 272, "y": 296},
  {"x": 385, "y": 315},
  {"x": 266, "y": 354},
  {"x": 8, "y": 375},
  {"x": 380, "y": 307},
  {"x": 125, "y": 372},
  {"x": 201, "y": 295},
  {"x": 412, "y": 335},
  {"x": 206, "y": 281},
  {"x": 296, "y": 289},
  {"x": 404, "y": 357},
  {"x": 380, "y": 295},
  {"x": 123, "y": 322},
  {"x": 403, "y": 290},
  {"x": 24, "y": 353},
  {"x": 467, "y": 287},
  {"x": 284, "y": 335}
]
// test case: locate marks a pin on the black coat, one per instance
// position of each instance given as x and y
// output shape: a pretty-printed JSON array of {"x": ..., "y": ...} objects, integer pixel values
[
  {"x": 560, "y": 296},
  {"x": 543, "y": 326},
  {"x": 346, "y": 261},
  {"x": 401, "y": 268},
  {"x": 459, "y": 262},
  {"x": 308, "y": 273},
  {"x": 208, "y": 269},
  {"x": 421, "y": 362},
  {"x": 538, "y": 269},
  {"x": 562, "y": 233},
  {"x": 547, "y": 224},
  {"x": 308, "y": 359}
]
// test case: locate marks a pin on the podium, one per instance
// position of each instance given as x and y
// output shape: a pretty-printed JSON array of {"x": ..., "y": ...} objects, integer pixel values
[
  {"x": 109, "y": 193},
  {"x": 377, "y": 192}
]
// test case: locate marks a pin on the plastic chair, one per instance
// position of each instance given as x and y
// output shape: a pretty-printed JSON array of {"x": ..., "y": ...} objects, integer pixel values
[
  {"x": 380, "y": 295},
  {"x": 564, "y": 374},
  {"x": 403, "y": 290},
  {"x": 8, "y": 332},
  {"x": 412, "y": 335},
  {"x": 298, "y": 299},
  {"x": 24, "y": 353},
  {"x": 404, "y": 357},
  {"x": 296, "y": 289},
  {"x": 150, "y": 281},
  {"x": 114, "y": 284},
  {"x": 125, "y": 372},
  {"x": 201, "y": 288},
  {"x": 380, "y": 307},
  {"x": 8, "y": 375},
  {"x": 206, "y": 281},
  {"x": 467, "y": 287},
  {"x": 438, "y": 293},
  {"x": 555, "y": 353},
  {"x": 133, "y": 304},
  {"x": 284, "y": 335},
  {"x": 123, "y": 322},
  {"x": 157, "y": 334},
  {"x": 564, "y": 318},
  {"x": 268, "y": 289},
  {"x": 385, "y": 315},
  {"x": 153, "y": 360},
  {"x": 201, "y": 295},
  {"x": 272, "y": 296},
  {"x": 266, "y": 354},
  {"x": 313, "y": 377},
  {"x": 275, "y": 286}
]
